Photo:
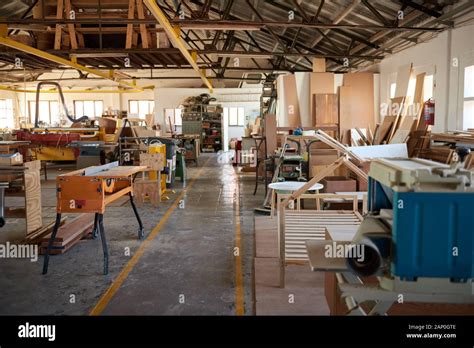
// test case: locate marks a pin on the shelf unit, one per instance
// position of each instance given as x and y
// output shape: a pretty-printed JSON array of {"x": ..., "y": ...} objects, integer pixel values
[
  {"x": 268, "y": 97},
  {"x": 205, "y": 120}
]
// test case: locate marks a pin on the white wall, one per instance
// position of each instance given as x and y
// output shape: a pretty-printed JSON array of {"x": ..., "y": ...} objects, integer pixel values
[
  {"x": 171, "y": 98},
  {"x": 435, "y": 57},
  {"x": 114, "y": 100}
]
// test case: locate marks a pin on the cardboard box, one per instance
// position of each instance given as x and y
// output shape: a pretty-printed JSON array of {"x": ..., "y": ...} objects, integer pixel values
[
  {"x": 11, "y": 159},
  {"x": 338, "y": 184}
]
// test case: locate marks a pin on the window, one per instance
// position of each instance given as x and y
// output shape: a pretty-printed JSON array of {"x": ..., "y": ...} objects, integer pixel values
[
  {"x": 175, "y": 116},
  {"x": 428, "y": 87},
  {"x": 141, "y": 108},
  {"x": 235, "y": 116},
  {"x": 393, "y": 86},
  {"x": 91, "y": 108},
  {"x": 6, "y": 113},
  {"x": 468, "y": 102},
  {"x": 49, "y": 113}
]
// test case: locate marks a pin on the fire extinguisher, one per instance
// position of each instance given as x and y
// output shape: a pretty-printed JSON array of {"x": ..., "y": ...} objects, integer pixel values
[{"x": 429, "y": 112}]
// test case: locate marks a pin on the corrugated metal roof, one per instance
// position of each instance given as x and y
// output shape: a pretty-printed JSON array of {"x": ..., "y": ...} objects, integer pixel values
[{"x": 14, "y": 8}]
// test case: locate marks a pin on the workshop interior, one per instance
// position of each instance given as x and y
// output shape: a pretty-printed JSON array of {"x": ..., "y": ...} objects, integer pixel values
[{"x": 237, "y": 158}]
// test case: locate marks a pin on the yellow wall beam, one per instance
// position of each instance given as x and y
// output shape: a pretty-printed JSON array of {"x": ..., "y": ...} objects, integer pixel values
[
  {"x": 51, "y": 57},
  {"x": 175, "y": 38},
  {"x": 17, "y": 90}
]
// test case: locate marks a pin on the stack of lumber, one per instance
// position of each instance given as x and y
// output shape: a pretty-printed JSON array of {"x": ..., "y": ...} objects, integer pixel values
[
  {"x": 69, "y": 234},
  {"x": 37, "y": 236},
  {"x": 442, "y": 146},
  {"x": 456, "y": 137}
]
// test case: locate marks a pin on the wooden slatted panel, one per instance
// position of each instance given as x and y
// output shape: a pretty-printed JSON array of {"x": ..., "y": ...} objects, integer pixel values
[{"x": 301, "y": 225}]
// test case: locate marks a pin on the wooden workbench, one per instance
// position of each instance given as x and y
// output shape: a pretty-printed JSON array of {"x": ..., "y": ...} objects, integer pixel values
[{"x": 90, "y": 190}]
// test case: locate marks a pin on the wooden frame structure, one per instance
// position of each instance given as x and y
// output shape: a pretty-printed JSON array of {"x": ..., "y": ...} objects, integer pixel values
[{"x": 296, "y": 226}]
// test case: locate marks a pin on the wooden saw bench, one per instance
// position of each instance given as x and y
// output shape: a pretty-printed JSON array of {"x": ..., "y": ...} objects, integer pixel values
[{"x": 90, "y": 190}]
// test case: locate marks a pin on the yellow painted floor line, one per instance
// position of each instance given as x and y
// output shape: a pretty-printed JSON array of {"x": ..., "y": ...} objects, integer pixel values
[
  {"x": 239, "y": 284},
  {"x": 114, "y": 287}
]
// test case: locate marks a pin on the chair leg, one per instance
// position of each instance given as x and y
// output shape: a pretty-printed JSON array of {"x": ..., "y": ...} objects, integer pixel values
[
  {"x": 50, "y": 243},
  {"x": 95, "y": 230},
  {"x": 104, "y": 243},
  {"x": 141, "y": 232},
  {"x": 272, "y": 205}
]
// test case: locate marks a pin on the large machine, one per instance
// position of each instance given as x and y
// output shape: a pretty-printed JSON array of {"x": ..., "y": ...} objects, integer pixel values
[
  {"x": 54, "y": 143},
  {"x": 416, "y": 242}
]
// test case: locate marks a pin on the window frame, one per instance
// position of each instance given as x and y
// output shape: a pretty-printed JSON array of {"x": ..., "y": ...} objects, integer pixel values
[
  {"x": 151, "y": 105},
  {"x": 464, "y": 63},
  {"x": 31, "y": 111},
  {"x": 8, "y": 112},
  {"x": 94, "y": 101},
  {"x": 173, "y": 120},
  {"x": 240, "y": 116}
]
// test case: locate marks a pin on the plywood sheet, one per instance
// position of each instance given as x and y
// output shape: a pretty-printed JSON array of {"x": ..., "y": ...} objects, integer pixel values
[
  {"x": 400, "y": 136},
  {"x": 302, "y": 80},
  {"x": 384, "y": 129},
  {"x": 356, "y": 106},
  {"x": 325, "y": 108},
  {"x": 418, "y": 95},
  {"x": 407, "y": 123},
  {"x": 271, "y": 133},
  {"x": 322, "y": 83},
  {"x": 380, "y": 151},
  {"x": 292, "y": 110},
  {"x": 33, "y": 200},
  {"x": 319, "y": 65},
  {"x": 403, "y": 79},
  {"x": 345, "y": 122}
]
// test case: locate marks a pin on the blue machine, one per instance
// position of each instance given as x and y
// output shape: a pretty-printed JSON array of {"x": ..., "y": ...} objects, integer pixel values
[{"x": 431, "y": 209}]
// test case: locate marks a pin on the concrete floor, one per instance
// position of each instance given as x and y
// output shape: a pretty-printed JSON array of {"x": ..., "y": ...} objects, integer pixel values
[{"x": 191, "y": 258}]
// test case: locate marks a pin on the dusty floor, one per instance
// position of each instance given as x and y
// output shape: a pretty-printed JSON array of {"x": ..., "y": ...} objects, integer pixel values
[{"x": 189, "y": 267}]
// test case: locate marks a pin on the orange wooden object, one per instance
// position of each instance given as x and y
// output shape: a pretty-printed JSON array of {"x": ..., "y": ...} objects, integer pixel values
[{"x": 77, "y": 193}]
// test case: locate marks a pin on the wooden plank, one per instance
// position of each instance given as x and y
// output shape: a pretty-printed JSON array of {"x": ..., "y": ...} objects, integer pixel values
[
  {"x": 33, "y": 216},
  {"x": 120, "y": 172},
  {"x": 418, "y": 95},
  {"x": 403, "y": 79},
  {"x": 37, "y": 236},
  {"x": 400, "y": 136},
  {"x": 291, "y": 101},
  {"x": 70, "y": 230},
  {"x": 325, "y": 109},
  {"x": 397, "y": 109},
  {"x": 58, "y": 30},
  {"x": 80, "y": 37},
  {"x": 270, "y": 128},
  {"x": 131, "y": 15},
  {"x": 319, "y": 65},
  {"x": 143, "y": 30},
  {"x": 356, "y": 107},
  {"x": 384, "y": 129},
  {"x": 322, "y": 83},
  {"x": 70, "y": 27},
  {"x": 345, "y": 123}
]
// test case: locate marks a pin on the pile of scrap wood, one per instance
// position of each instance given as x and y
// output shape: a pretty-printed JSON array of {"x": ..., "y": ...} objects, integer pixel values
[
  {"x": 69, "y": 234},
  {"x": 403, "y": 121},
  {"x": 354, "y": 161}
]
